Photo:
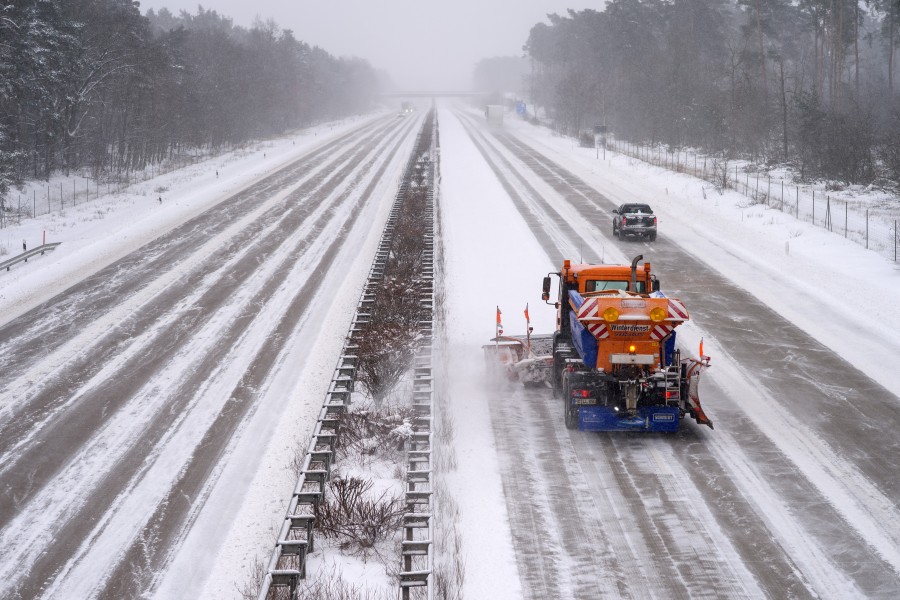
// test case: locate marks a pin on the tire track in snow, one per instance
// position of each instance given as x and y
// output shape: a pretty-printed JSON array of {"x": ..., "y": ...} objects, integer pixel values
[
  {"x": 79, "y": 304},
  {"x": 151, "y": 549},
  {"x": 871, "y": 574},
  {"x": 56, "y": 554},
  {"x": 90, "y": 400},
  {"x": 538, "y": 558},
  {"x": 644, "y": 539},
  {"x": 66, "y": 326},
  {"x": 530, "y": 204}
]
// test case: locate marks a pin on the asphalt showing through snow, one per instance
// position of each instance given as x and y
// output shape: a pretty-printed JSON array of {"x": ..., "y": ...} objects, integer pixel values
[
  {"x": 701, "y": 514},
  {"x": 222, "y": 284}
]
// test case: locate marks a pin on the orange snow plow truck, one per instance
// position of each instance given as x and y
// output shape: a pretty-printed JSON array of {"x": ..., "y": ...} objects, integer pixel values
[{"x": 615, "y": 364}]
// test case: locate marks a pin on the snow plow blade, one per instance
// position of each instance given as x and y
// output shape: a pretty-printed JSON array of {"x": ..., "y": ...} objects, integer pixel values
[
  {"x": 516, "y": 358},
  {"x": 693, "y": 369}
]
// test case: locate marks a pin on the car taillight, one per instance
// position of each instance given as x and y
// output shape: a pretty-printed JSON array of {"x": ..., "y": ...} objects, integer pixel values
[
  {"x": 623, "y": 220},
  {"x": 654, "y": 220}
]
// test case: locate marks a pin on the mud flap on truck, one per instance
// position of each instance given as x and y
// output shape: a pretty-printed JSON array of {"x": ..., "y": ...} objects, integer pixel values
[{"x": 692, "y": 369}]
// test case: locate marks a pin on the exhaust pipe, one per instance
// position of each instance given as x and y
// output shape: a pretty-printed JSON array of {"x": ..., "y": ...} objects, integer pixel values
[{"x": 634, "y": 263}]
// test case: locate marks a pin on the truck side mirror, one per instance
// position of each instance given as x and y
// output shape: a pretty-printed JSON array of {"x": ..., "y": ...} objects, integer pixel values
[
  {"x": 656, "y": 285},
  {"x": 545, "y": 295}
]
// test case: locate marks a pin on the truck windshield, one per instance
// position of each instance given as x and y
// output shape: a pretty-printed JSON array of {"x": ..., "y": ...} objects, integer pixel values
[{"x": 600, "y": 285}]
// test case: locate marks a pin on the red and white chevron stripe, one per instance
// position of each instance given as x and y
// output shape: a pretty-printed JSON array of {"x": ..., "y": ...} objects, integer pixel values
[
  {"x": 660, "y": 331},
  {"x": 599, "y": 330},
  {"x": 677, "y": 310},
  {"x": 588, "y": 309}
]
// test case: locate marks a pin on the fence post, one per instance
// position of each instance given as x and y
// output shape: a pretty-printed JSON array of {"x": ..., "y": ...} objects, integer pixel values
[
  {"x": 846, "y": 211},
  {"x": 867, "y": 229},
  {"x": 814, "y": 208}
]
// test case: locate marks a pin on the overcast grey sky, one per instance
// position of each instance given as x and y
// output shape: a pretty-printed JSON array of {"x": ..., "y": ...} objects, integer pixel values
[{"x": 422, "y": 44}]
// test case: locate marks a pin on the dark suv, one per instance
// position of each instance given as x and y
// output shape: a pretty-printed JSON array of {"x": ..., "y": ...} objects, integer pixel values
[{"x": 634, "y": 219}]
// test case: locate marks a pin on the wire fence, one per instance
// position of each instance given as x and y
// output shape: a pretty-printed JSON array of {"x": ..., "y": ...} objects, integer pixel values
[
  {"x": 873, "y": 228},
  {"x": 46, "y": 198},
  {"x": 54, "y": 198}
]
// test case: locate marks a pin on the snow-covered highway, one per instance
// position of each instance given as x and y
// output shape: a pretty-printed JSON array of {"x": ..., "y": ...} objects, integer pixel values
[
  {"x": 132, "y": 386},
  {"x": 152, "y": 403},
  {"x": 795, "y": 492}
]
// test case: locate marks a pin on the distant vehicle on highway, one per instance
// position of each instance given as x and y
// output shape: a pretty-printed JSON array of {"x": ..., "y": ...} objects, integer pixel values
[{"x": 634, "y": 219}]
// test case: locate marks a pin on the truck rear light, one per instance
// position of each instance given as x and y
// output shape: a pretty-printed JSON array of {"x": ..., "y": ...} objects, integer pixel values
[
  {"x": 581, "y": 393},
  {"x": 623, "y": 220},
  {"x": 673, "y": 394}
]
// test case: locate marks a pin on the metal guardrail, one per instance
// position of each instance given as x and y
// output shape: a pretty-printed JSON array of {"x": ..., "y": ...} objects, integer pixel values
[
  {"x": 416, "y": 546},
  {"x": 287, "y": 565},
  {"x": 5, "y": 265}
]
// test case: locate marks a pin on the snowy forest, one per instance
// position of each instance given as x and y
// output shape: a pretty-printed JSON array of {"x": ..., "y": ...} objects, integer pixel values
[
  {"x": 809, "y": 83},
  {"x": 95, "y": 85}
]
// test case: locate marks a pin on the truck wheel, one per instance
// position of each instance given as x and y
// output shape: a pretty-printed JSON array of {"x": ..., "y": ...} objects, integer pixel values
[
  {"x": 652, "y": 237},
  {"x": 571, "y": 414}
]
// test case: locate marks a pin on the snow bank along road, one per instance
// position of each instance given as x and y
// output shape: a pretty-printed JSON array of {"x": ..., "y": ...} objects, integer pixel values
[
  {"x": 795, "y": 494},
  {"x": 121, "y": 397}
]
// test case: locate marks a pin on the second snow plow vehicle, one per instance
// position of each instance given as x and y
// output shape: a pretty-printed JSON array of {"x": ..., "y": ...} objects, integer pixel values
[
  {"x": 520, "y": 358},
  {"x": 614, "y": 359}
]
